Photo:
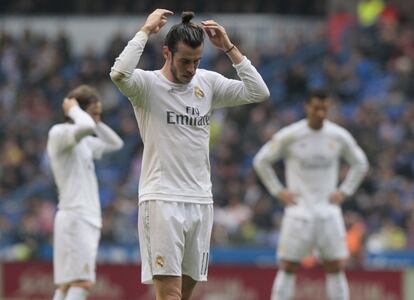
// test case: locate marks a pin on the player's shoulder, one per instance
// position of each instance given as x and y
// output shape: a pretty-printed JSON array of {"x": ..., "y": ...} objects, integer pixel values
[
  {"x": 58, "y": 128},
  {"x": 337, "y": 130},
  {"x": 207, "y": 74},
  {"x": 146, "y": 74},
  {"x": 295, "y": 127},
  {"x": 291, "y": 131}
]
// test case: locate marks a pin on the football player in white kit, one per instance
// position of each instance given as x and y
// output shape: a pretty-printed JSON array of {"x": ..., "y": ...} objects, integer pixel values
[
  {"x": 173, "y": 108},
  {"x": 72, "y": 147},
  {"x": 312, "y": 150}
]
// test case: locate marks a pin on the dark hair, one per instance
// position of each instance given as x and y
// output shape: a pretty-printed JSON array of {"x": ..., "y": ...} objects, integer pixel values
[
  {"x": 187, "y": 32},
  {"x": 85, "y": 95},
  {"x": 320, "y": 94}
]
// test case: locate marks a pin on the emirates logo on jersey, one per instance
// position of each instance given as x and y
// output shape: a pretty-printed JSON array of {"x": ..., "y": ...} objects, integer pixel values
[{"x": 198, "y": 92}]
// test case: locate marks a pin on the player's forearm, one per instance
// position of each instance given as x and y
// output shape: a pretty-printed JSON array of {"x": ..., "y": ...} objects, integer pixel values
[
  {"x": 127, "y": 61},
  {"x": 109, "y": 137},
  {"x": 84, "y": 123},
  {"x": 267, "y": 175},
  {"x": 234, "y": 54},
  {"x": 354, "y": 177},
  {"x": 254, "y": 87}
]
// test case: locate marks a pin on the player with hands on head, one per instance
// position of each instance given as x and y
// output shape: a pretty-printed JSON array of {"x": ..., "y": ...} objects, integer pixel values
[
  {"x": 312, "y": 150},
  {"x": 173, "y": 108},
  {"x": 71, "y": 147}
]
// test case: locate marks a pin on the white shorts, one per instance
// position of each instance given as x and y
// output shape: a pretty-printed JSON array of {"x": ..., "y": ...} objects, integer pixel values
[
  {"x": 174, "y": 239},
  {"x": 75, "y": 246},
  {"x": 299, "y": 236}
]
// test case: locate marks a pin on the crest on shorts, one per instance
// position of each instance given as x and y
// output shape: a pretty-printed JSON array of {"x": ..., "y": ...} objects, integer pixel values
[
  {"x": 198, "y": 92},
  {"x": 159, "y": 261}
]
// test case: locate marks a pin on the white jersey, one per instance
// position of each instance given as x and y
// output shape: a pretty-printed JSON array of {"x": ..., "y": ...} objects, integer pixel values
[
  {"x": 312, "y": 160},
  {"x": 71, "y": 150},
  {"x": 174, "y": 122}
]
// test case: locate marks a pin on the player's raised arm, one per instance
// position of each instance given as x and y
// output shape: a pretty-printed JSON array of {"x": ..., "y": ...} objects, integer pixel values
[
  {"x": 106, "y": 140},
  {"x": 61, "y": 138},
  {"x": 127, "y": 61},
  {"x": 219, "y": 38},
  {"x": 228, "y": 92}
]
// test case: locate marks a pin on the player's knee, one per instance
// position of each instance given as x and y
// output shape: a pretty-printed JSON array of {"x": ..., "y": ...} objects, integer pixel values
[
  {"x": 168, "y": 288},
  {"x": 87, "y": 285},
  {"x": 289, "y": 266},
  {"x": 171, "y": 293},
  {"x": 64, "y": 288},
  {"x": 333, "y": 266}
]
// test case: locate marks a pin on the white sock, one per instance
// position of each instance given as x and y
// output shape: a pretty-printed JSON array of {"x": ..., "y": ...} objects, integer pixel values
[
  {"x": 337, "y": 286},
  {"x": 59, "y": 295},
  {"x": 76, "y": 293},
  {"x": 283, "y": 286}
]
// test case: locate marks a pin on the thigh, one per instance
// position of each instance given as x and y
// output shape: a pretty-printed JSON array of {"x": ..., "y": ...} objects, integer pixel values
[
  {"x": 296, "y": 238},
  {"x": 75, "y": 248},
  {"x": 332, "y": 238},
  {"x": 161, "y": 239},
  {"x": 197, "y": 240}
]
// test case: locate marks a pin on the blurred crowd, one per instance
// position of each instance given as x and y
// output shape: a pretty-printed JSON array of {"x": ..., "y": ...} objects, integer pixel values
[
  {"x": 366, "y": 63},
  {"x": 304, "y": 7}
]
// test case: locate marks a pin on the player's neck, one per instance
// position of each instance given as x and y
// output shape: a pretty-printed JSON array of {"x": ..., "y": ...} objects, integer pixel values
[
  {"x": 315, "y": 125},
  {"x": 166, "y": 72}
]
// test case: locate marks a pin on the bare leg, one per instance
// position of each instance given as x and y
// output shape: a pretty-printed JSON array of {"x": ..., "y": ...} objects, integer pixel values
[
  {"x": 336, "y": 282},
  {"x": 187, "y": 287},
  {"x": 284, "y": 284},
  {"x": 167, "y": 287},
  {"x": 79, "y": 290}
]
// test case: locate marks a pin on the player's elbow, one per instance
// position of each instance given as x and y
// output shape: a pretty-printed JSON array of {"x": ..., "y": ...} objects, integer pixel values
[
  {"x": 261, "y": 95},
  {"x": 89, "y": 128},
  {"x": 257, "y": 163},
  {"x": 119, "y": 145},
  {"x": 365, "y": 167},
  {"x": 264, "y": 95},
  {"x": 116, "y": 76}
]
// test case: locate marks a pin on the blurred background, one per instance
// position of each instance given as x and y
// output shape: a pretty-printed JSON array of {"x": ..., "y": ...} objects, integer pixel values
[{"x": 361, "y": 51}]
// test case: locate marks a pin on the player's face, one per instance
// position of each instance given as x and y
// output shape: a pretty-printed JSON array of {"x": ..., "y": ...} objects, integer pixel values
[
  {"x": 184, "y": 62},
  {"x": 95, "y": 110},
  {"x": 316, "y": 112}
]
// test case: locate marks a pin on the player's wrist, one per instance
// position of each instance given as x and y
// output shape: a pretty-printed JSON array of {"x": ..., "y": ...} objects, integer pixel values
[
  {"x": 146, "y": 30},
  {"x": 230, "y": 48}
]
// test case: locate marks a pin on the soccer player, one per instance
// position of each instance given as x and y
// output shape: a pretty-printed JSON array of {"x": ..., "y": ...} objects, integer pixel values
[
  {"x": 72, "y": 147},
  {"x": 173, "y": 108},
  {"x": 312, "y": 150}
]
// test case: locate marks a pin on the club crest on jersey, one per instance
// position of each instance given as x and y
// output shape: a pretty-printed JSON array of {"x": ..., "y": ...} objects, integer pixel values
[{"x": 198, "y": 92}]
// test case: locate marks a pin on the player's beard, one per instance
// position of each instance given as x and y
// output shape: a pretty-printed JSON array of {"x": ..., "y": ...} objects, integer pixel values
[{"x": 174, "y": 73}]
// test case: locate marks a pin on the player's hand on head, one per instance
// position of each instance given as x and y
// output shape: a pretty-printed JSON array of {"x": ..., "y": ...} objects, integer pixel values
[
  {"x": 68, "y": 103},
  {"x": 287, "y": 197},
  {"x": 156, "y": 20},
  {"x": 337, "y": 197},
  {"x": 217, "y": 35}
]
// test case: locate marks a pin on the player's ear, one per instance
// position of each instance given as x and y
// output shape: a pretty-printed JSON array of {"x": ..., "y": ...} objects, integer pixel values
[{"x": 165, "y": 52}]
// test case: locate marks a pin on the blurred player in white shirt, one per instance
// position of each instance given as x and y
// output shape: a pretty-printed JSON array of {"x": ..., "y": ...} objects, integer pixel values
[
  {"x": 72, "y": 147},
  {"x": 312, "y": 150},
  {"x": 173, "y": 108}
]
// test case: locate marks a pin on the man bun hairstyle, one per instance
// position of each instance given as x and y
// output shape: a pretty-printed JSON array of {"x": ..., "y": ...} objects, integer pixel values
[
  {"x": 186, "y": 32},
  {"x": 85, "y": 95},
  {"x": 186, "y": 16}
]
